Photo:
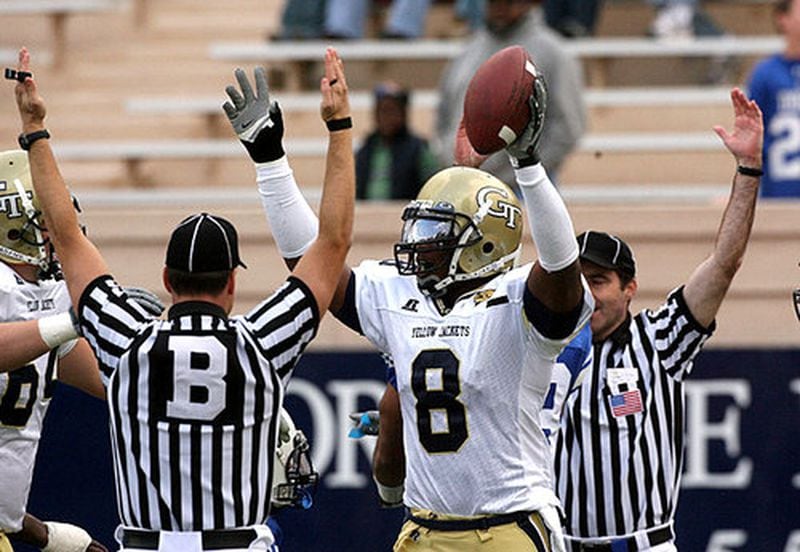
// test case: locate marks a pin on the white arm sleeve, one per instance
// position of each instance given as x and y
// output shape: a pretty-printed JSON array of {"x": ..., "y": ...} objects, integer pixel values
[
  {"x": 293, "y": 222},
  {"x": 551, "y": 226}
]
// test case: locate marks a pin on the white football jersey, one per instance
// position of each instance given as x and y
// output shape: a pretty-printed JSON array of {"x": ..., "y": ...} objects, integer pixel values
[
  {"x": 471, "y": 386},
  {"x": 24, "y": 393}
]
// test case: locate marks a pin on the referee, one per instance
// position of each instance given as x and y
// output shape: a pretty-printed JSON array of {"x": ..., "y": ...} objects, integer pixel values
[
  {"x": 194, "y": 400},
  {"x": 619, "y": 451}
]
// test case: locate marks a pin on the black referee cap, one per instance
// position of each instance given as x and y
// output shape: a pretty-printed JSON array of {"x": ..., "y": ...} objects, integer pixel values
[
  {"x": 203, "y": 243},
  {"x": 607, "y": 251}
]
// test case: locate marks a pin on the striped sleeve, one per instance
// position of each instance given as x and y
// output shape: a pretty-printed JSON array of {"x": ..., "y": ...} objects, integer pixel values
[
  {"x": 109, "y": 321},
  {"x": 677, "y": 335},
  {"x": 284, "y": 324}
]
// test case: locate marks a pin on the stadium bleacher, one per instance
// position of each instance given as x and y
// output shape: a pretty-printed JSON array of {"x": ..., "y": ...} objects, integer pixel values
[{"x": 137, "y": 125}]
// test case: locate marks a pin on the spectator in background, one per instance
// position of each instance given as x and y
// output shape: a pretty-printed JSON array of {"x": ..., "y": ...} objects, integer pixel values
[
  {"x": 302, "y": 19},
  {"x": 775, "y": 87},
  {"x": 682, "y": 19},
  {"x": 470, "y": 11},
  {"x": 673, "y": 18},
  {"x": 509, "y": 22},
  {"x": 572, "y": 18},
  {"x": 393, "y": 163},
  {"x": 347, "y": 18}
]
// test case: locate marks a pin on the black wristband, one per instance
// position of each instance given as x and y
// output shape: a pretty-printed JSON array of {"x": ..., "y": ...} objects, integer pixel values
[
  {"x": 749, "y": 171},
  {"x": 339, "y": 124},
  {"x": 528, "y": 161},
  {"x": 26, "y": 140}
]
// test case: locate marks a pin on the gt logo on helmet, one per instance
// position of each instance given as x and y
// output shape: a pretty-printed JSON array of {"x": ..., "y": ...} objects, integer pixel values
[
  {"x": 503, "y": 209},
  {"x": 10, "y": 203}
]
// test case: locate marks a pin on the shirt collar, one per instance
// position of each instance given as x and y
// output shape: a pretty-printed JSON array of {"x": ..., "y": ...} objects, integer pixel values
[
  {"x": 622, "y": 335},
  {"x": 195, "y": 307}
]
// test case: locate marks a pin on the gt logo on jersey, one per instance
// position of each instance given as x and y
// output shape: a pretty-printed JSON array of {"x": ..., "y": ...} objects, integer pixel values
[{"x": 490, "y": 204}]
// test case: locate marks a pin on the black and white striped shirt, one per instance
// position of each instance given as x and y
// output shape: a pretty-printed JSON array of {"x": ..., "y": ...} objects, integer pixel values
[
  {"x": 619, "y": 452},
  {"x": 194, "y": 402}
]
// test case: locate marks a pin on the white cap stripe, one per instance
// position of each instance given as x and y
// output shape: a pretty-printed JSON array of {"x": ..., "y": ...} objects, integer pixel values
[{"x": 194, "y": 239}]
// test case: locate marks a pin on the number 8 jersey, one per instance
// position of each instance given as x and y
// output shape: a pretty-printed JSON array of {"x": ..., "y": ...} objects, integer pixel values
[
  {"x": 471, "y": 384},
  {"x": 25, "y": 392}
]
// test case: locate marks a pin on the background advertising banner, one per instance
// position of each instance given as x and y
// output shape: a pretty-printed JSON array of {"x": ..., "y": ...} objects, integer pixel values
[{"x": 740, "y": 491}]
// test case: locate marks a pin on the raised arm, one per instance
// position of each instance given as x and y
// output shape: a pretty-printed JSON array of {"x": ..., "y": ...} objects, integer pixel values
[
  {"x": 555, "y": 279},
  {"x": 710, "y": 281},
  {"x": 321, "y": 267},
  {"x": 80, "y": 260},
  {"x": 258, "y": 122}
]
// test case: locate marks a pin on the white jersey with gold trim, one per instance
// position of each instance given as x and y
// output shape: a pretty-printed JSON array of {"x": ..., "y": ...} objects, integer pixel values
[
  {"x": 471, "y": 387},
  {"x": 25, "y": 392}
]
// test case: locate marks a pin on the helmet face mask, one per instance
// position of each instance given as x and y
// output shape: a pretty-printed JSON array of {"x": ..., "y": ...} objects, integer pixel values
[
  {"x": 464, "y": 225},
  {"x": 22, "y": 239},
  {"x": 432, "y": 232}
]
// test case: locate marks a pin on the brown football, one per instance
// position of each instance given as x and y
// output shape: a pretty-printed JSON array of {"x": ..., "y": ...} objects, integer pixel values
[{"x": 496, "y": 108}]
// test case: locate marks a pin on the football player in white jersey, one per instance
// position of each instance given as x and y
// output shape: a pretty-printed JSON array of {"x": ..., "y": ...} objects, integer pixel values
[
  {"x": 37, "y": 346},
  {"x": 388, "y": 458},
  {"x": 473, "y": 339}
]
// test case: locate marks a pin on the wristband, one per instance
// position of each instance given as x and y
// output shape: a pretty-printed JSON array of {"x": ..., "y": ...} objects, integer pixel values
[
  {"x": 339, "y": 124},
  {"x": 64, "y": 537},
  {"x": 749, "y": 171},
  {"x": 57, "y": 329},
  {"x": 26, "y": 140},
  {"x": 390, "y": 496}
]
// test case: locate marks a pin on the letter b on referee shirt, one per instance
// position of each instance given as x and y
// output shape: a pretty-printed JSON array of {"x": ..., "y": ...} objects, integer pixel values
[{"x": 199, "y": 387}]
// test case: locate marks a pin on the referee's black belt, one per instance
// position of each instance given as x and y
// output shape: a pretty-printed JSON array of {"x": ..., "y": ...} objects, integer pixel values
[
  {"x": 219, "y": 539},
  {"x": 627, "y": 544},
  {"x": 468, "y": 524}
]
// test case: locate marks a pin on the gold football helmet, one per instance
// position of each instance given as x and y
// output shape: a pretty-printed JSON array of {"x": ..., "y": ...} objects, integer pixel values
[
  {"x": 464, "y": 219},
  {"x": 21, "y": 238}
]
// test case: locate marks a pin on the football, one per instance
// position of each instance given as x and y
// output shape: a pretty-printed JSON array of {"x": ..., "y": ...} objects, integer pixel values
[{"x": 496, "y": 108}]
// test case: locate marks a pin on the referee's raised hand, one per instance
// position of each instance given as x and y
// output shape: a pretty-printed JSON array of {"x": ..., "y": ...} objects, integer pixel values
[
  {"x": 335, "y": 105},
  {"x": 745, "y": 141},
  {"x": 31, "y": 105}
]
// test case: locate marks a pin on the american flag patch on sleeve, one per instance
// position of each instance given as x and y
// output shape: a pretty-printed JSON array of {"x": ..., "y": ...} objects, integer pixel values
[{"x": 626, "y": 403}]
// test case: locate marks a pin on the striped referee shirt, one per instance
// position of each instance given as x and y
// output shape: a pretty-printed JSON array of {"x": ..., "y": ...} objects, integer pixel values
[
  {"x": 194, "y": 402},
  {"x": 619, "y": 452}
]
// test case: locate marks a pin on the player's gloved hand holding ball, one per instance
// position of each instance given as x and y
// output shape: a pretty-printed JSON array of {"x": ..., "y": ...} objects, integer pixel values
[
  {"x": 504, "y": 108},
  {"x": 523, "y": 151},
  {"x": 256, "y": 120}
]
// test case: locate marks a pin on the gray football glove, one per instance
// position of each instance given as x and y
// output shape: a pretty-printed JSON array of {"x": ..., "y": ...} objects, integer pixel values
[
  {"x": 146, "y": 299},
  {"x": 256, "y": 120},
  {"x": 523, "y": 151}
]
